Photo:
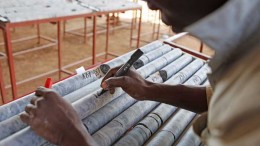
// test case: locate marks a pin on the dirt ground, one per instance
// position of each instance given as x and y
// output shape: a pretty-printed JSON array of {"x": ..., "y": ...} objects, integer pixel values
[{"x": 73, "y": 49}]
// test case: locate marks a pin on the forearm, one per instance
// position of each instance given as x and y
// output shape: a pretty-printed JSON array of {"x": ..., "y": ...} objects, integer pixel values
[
  {"x": 192, "y": 98},
  {"x": 77, "y": 135}
]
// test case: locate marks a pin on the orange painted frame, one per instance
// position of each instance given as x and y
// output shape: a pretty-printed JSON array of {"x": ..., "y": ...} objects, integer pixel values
[
  {"x": 6, "y": 27},
  {"x": 170, "y": 42}
]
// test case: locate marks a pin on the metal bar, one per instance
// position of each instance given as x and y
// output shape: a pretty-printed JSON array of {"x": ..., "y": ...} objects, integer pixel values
[
  {"x": 81, "y": 61},
  {"x": 143, "y": 34},
  {"x": 64, "y": 27},
  {"x": 94, "y": 40},
  {"x": 189, "y": 51},
  {"x": 112, "y": 54},
  {"x": 30, "y": 38},
  {"x": 154, "y": 24},
  {"x": 85, "y": 29},
  {"x": 177, "y": 36},
  {"x": 67, "y": 71},
  {"x": 134, "y": 14},
  {"x": 47, "y": 20},
  {"x": 135, "y": 18},
  {"x": 35, "y": 77},
  {"x": 131, "y": 32},
  {"x": 59, "y": 47},
  {"x": 21, "y": 39},
  {"x": 98, "y": 26},
  {"x": 142, "y": 40},
  {"x": 201, "y": 46},
  {"x": 107, "y": 35},
  {"x": 9, "y": 51},
  {"x": 34, "y": 49},
  {"x": 2, "y": 87},
  {"x": 114, "y": 22},
  {"x": 49, "y": 39},
  {"x": 38, "y": 34},
  {"x": 139, "y": 29},
  {"x": 74, "y": 29},
  {"x": 76, "y": 33},
  {"x": 158, "y": 25}
]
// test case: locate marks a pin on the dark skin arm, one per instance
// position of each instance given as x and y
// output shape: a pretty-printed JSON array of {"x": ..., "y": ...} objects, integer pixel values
[
  {"x": 53, "y": 118},
  {"x": 192, "y": 98},
  {"x": 48, "y": 109}
]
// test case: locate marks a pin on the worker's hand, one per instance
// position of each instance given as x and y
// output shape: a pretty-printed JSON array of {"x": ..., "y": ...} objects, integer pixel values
[
  {"x": 132, "y": 83},
  {"x": 53, "y": 118}
]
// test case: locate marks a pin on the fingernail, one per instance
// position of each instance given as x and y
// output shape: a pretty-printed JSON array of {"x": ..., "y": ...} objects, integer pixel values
[
  {"x": 40, "y": 88},
  {"x": 104, "y": 85}
]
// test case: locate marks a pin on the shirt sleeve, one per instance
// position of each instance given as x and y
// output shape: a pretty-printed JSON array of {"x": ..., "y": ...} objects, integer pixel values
[{"x": 209, "y": 93}]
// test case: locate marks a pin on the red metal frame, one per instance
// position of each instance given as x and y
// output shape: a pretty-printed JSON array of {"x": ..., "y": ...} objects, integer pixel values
[
  {"x": 9, "y": 52},
  {"x": 107, "y": 13},
  {"x": 131, "y": 32},
  {"x": 149, "y": 33},
  {"x": 107, "y": 35},
  {"x": 138, "y": 31},
  {"x": 59, "y": 47},
  {"x": 156, "y": 29},
  {"x": 8, "y": 45},
  {"x": 2, "y": 87},
  {"x": 38, "y": 37},
  {"x": 94, "y": 40},
  {"x": 171, "y": 40}
]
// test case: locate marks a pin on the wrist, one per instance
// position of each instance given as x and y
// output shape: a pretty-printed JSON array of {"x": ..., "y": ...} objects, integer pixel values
[
  {"x": 76, "y": 135},
  {"x": 150, "y": 90}
]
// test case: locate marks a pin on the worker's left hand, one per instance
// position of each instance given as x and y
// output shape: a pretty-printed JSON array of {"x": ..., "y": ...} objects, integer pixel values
[{"x": 53, "y": 118}]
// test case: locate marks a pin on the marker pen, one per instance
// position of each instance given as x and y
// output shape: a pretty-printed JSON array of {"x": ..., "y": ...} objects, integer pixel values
[
  {"x": 48, "y": 83},
  {"x": 123, "y": 70}
]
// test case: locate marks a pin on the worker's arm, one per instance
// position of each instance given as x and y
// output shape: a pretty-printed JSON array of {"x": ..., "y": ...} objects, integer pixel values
[
  {"x": 192, "y": 98},
  {"x": 51, "y": 117}
]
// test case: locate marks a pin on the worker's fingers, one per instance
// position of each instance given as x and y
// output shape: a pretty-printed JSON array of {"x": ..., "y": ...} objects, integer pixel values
[
  {"x": 25, "y": 117},
  {"x": 40, "y": 91},
  {"x": 45, "y": 92},
  {"x": 33, "y": 100},
  {"x": 112, "y": 90},
  {"x": 104, "y": 85},
  {"x": 114, "y": 82},
  {"x": 110, "y": 73},
  {"x": 30, "y": 109},
  {"x": 39, "y": 102}
]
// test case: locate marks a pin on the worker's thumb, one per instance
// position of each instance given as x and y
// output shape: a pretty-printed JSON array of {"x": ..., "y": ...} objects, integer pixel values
[{"x": 114, "y": 82}]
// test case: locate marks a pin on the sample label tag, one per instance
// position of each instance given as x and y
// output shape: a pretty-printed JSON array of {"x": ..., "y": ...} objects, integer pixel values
[
  {"x": 80, "y": 70},
  {"x": 95, "y": 72}
]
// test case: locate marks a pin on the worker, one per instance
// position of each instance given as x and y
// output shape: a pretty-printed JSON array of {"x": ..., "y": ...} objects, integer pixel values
[{"x": 229, "y": 108}]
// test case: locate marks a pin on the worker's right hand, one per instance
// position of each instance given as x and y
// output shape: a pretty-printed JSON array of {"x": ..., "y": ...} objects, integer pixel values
[{"x": 132, "y": 83}]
